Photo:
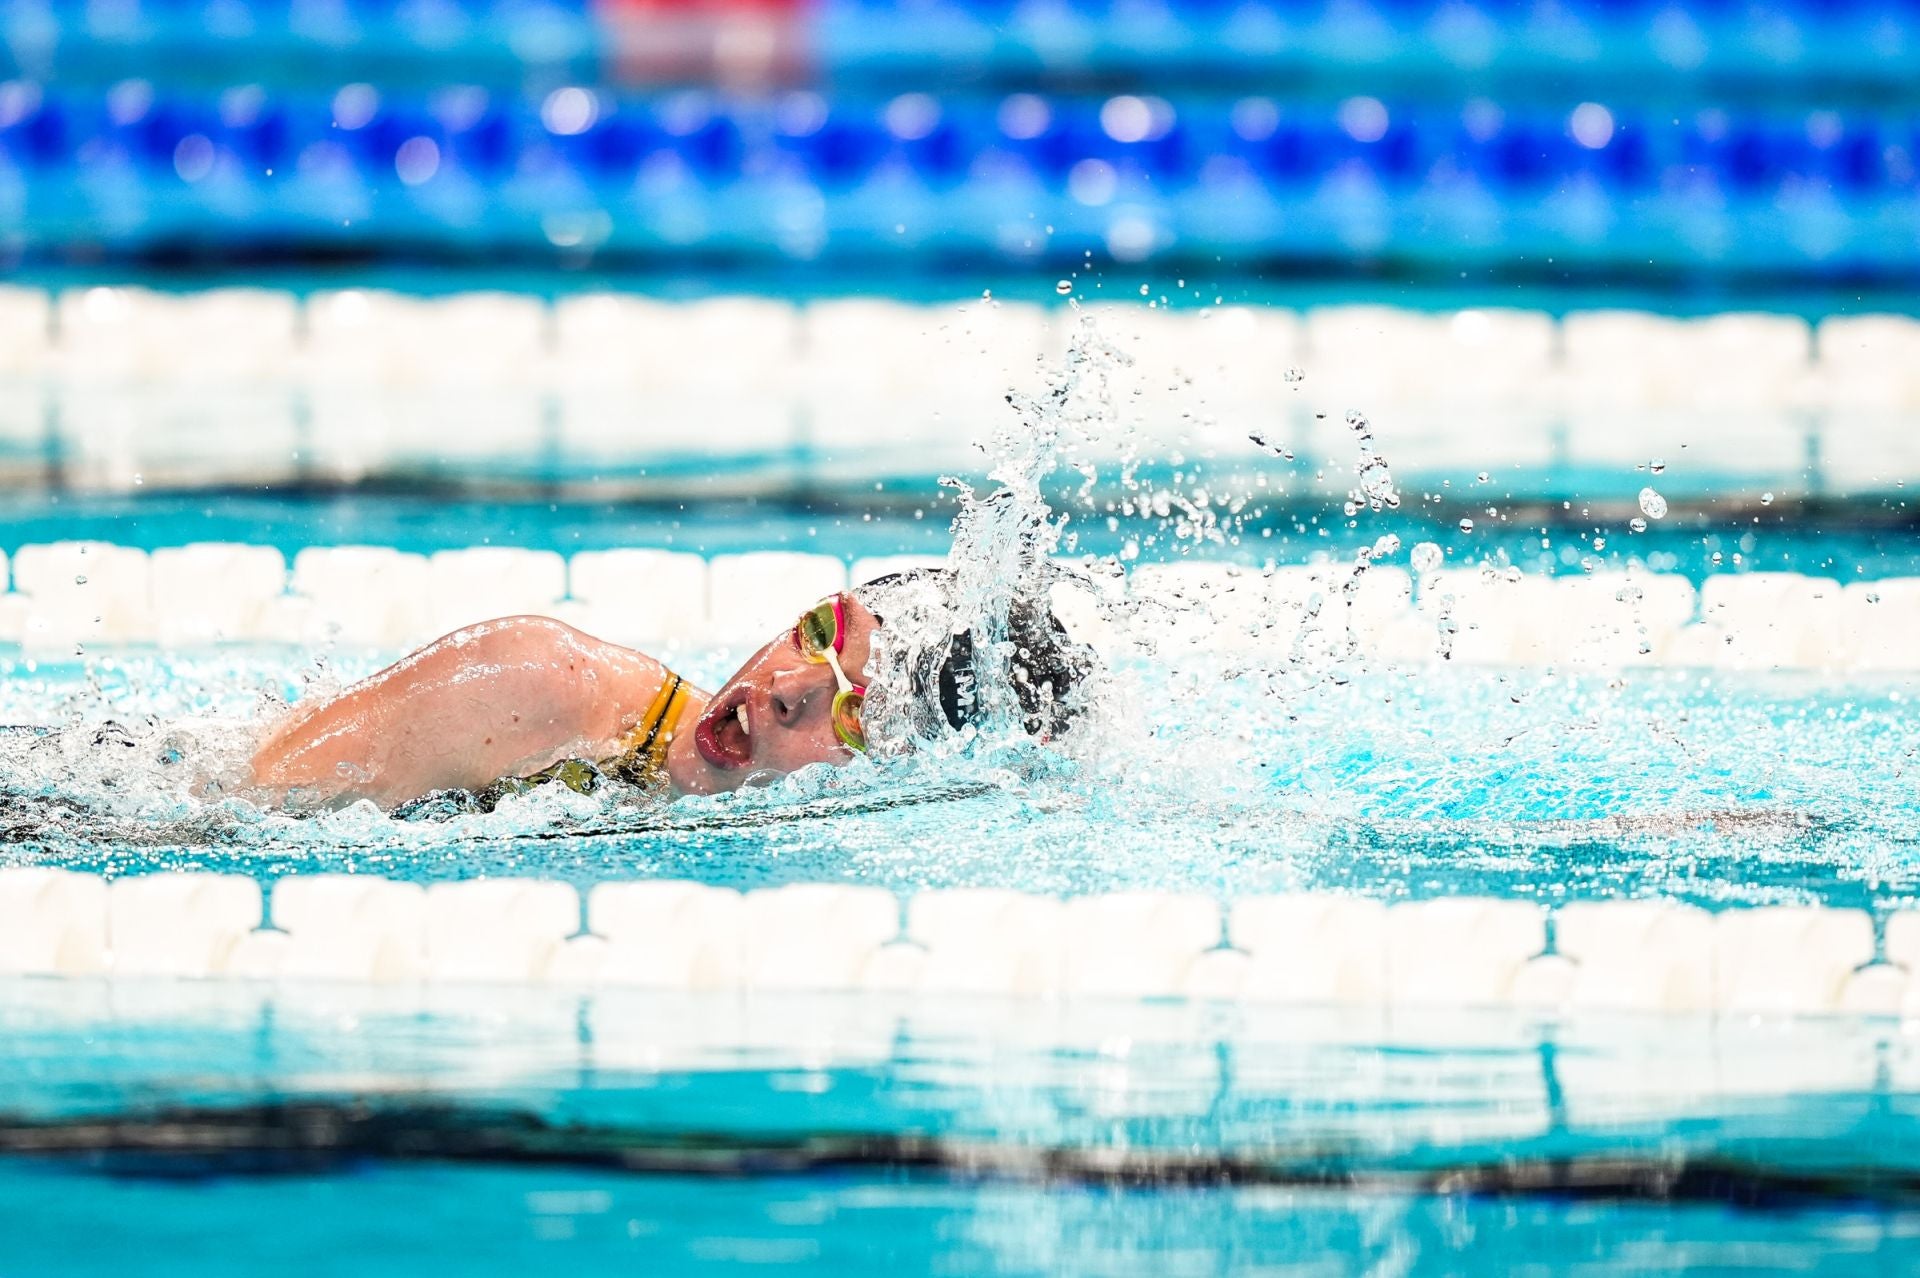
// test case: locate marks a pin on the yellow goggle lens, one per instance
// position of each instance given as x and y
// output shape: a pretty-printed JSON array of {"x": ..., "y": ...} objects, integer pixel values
[
  {"x": 816, "y": 631},
  {"x": 846, "y": 719}
]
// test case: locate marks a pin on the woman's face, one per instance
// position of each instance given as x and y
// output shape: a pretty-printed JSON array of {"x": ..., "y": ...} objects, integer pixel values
[{"x": 774, "y": 715}]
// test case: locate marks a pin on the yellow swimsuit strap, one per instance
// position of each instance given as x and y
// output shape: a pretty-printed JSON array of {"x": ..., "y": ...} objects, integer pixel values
[{"x": 643, "y": 754}]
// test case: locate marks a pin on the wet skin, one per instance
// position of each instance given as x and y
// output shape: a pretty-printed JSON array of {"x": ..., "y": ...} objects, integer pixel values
[{"x": 509, "y": 697}]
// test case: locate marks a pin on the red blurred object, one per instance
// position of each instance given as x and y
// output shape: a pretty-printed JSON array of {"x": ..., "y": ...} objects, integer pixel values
[
  {"x": 711, "y": 8},
  {"x": 742, "y": 44}
]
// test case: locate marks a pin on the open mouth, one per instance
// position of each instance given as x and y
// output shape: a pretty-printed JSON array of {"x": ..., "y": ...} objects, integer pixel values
[{"x": 724, "y": 735}]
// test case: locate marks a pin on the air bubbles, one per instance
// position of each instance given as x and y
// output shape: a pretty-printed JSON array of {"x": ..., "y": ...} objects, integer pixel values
[
  {"x": 1766, "y": 499},
  {"x": 1063, "y": 287},
  {"x": 1426, "y": 558},
  {"x": 1652, "y": 504},
  {"x": 1466, "y": 525},
  {"x": 1387, "y": 545},
  {"x": 1638, "y": 524},
  {"x": 80, "y": 579},
  {"x": 1658, "y": 466},
  {"x": 1295, "y": 375}
]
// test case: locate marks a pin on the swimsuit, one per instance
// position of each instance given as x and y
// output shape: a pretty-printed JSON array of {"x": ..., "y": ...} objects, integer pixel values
[{"x": 642, "y": 760}]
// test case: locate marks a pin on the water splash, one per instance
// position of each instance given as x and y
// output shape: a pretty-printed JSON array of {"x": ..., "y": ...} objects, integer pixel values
[{"x": 1236, "y": 737}]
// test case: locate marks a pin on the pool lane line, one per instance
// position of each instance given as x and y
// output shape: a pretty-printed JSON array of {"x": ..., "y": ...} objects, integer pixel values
[{"x": 307, "y": 1137}]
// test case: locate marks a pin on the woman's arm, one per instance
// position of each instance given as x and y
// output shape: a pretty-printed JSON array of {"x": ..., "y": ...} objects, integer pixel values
[{"x": 502, "y": 698}]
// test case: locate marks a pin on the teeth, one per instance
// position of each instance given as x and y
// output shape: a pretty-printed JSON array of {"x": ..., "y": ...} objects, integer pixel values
[{"x": 740, "y": 713}]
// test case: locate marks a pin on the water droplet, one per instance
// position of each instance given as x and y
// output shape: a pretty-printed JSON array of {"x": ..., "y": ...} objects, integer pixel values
[
  {"x": 1426, "y": 557},
  {"x": 1716, "y": 558},
  {"x": 1652, "y": 504},
  {"x": 80, "y": 579},
  {"x": 1873, "y": 596},
  {"x": 1357, "y": 422},
  {"x": 1466, "y": 525},
  {"x": 1599, "y": 543},
  {"x": 1637, "y": 524},
  {"x": 1657, "y": 466},
  {"x": 1064, "y": 287},
  {"x": 1385, "y": 546},
  {"x": 1481, "y": 477},
  {"x": 1766, "y": 499},
  {"x": 1296, "y": 375},
  {"x": 1144, "y": 290},
  {"x": 1376, "y": 482}
]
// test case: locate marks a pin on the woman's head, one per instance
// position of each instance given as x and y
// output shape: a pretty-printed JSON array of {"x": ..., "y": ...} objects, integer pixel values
[{"x": 777, "y": 713}]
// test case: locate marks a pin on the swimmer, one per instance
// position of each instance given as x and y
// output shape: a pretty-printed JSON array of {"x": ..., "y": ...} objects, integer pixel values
[{"x": 511, "y": 704}]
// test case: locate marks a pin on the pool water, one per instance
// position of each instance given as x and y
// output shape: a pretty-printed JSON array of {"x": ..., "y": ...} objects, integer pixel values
[
  {"x": 485, "y": 1221},
  {"x": 208, "y": 1126},
  {"x": 1718, "y": 787},
  {"x": 500, "y": 1130}
]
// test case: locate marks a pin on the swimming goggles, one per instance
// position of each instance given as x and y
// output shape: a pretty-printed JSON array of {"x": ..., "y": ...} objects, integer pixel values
[{"x": 820, "y": 636}]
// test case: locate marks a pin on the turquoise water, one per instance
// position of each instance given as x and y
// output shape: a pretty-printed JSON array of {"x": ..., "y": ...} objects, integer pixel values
[
  {"x": 212, "y": 1129},
  {"x": 484, "y": 1221},
  {"x": 1423, "y": 782},
  {"x": 829, "y": 1134}
]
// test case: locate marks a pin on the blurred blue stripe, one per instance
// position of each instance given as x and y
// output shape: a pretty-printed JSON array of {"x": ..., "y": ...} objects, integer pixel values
[{"x": 800, "y": 177}]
